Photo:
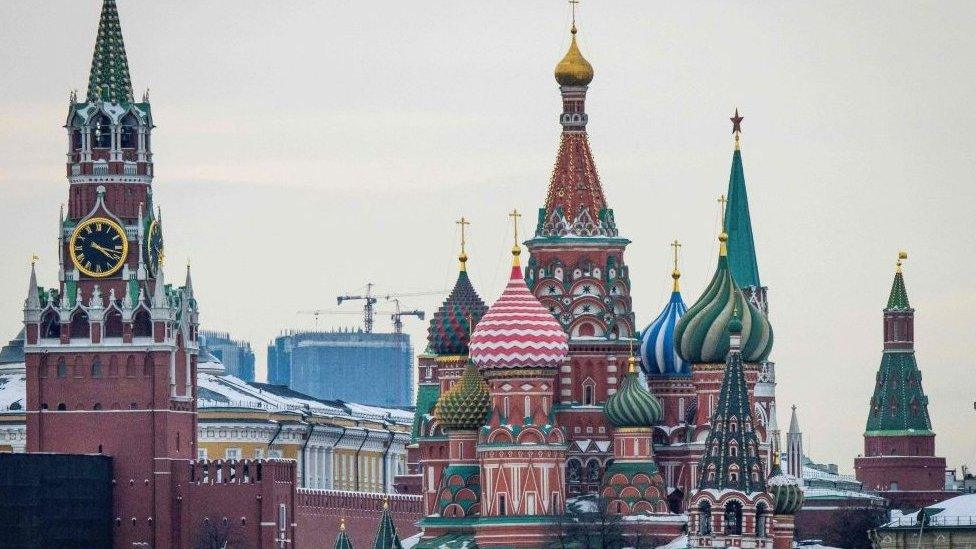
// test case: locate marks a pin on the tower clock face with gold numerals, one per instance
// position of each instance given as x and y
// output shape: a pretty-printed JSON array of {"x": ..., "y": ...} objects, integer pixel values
[{"x": 98, "y": 247}]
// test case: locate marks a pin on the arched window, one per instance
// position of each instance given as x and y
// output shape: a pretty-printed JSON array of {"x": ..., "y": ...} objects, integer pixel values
[
  {"x": 593, "y": 471},
  {"x": 75, "y": 139},
  {"x": 733, "y": 518},
  {"x": 586, "y": 330},
  {"x": 574, "y": 472},
  {"x": 80, "y": 328},
  {"x": 51, "y": 325},
  {"x": 96, "y": 367},
  {"x": 130, "y": 367},
  {"x": 589, "y": 393},
  {"x": 704, "y": 518},
  {"x": 147, "y": 366},
  {"x": 761, "y": 520},
  {"x": 142, "y": 324},
  {"x": 130, "y": 132},
  {"x": 102, "y": 131},
  {"x": 62, "y": 368},
  {"x": 113, "y": 323}
]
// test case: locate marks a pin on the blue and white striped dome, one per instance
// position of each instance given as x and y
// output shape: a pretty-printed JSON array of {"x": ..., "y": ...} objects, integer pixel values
[{"x": 657, "y": 350}]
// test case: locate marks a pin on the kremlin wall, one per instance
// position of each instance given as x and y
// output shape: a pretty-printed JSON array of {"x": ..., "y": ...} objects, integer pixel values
[{"x": 541, "y": 415}]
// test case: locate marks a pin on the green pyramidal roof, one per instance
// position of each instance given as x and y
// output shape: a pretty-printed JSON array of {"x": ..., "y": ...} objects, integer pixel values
[
  {"x": 899, "y": 406},
  {"x": 738, "y": 225},
  {"x": 386, "y": 536},
  {"x": 898, "y": 299},
  {"x": 342, "y": 540},
  {"x": 109, "y": 79}
]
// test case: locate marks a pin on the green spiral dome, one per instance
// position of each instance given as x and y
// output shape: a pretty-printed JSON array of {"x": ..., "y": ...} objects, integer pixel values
[
  {"x": 787, "y": 494},
  {"x": 633, "y": 405},
  {"x": 702, "y": 333},
  {"x": 465, "y": 406}
]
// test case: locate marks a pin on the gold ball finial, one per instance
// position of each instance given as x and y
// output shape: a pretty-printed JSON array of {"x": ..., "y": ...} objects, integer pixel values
[
  {"x": 723, "y": 236},
  {"x": 632, "y": 364},
  {"x": 902, "y": 256}
]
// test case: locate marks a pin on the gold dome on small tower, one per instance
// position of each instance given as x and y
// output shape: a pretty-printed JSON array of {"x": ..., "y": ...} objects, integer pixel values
[{"x": 574, "y": 69}]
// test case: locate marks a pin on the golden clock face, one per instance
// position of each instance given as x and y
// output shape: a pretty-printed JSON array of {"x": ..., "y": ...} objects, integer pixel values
[{"x": 98, "y": 247}]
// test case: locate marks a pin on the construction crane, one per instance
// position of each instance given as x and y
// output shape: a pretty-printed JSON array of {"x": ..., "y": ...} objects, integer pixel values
[
  {"x": 398, "y": 315},
  {"x": 370, "y": 301}
]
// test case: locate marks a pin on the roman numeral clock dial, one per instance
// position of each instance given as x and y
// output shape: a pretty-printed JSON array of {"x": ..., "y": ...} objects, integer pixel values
[{"x": 98, "y": 247}]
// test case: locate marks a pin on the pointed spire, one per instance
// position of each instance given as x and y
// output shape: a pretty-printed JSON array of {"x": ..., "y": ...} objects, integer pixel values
[
  {"x": 188, "y": 283},
  {"x": 731, "y": 459},
  {"x": 342, "y": 540},
  {"x": 794, "y": 423},
  {"x": 159, "y": 293},
  {"x": 737, "y": 222},
  {"x": 386, "y": 534},
  {"x": 109, "y": 79},
  {"x": 33, "y": 301},
  {"x": 898, "y": 298}
]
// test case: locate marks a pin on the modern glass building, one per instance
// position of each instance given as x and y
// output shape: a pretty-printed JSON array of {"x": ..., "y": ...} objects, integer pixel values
[{"x": 352, "y": 366}]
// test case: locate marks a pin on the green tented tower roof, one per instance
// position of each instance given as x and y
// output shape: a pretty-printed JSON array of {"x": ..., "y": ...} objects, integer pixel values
[
  {"x": 109, "y": 79},
  {"x": 738, "y": 225},
  {"x": 386, "y": 535},
  {"x": 899, "y": 405},
  {"x": 898, "y": 298}
]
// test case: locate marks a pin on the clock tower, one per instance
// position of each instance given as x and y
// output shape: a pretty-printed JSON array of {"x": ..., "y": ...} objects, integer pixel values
[{"x": 111, "y": 350}]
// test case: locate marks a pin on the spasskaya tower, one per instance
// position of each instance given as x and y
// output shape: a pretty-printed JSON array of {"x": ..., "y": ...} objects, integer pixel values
[{"x": 111, "y": 351}]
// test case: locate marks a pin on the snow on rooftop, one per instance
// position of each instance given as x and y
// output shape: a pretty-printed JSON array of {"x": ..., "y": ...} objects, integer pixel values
[
  {"x": 13, "y": 390},
  {"x": 957, "y": 511}
]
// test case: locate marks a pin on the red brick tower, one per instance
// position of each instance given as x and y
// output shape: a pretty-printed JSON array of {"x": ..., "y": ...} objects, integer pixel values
[
  {"x": 899, "y": 458},
  {"x": 111, "y": 352},
  {"x": 576, "y": 269}
]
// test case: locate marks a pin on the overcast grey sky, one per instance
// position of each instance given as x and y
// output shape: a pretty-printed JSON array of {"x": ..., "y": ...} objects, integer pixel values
[{"x": 305, "y": 148}]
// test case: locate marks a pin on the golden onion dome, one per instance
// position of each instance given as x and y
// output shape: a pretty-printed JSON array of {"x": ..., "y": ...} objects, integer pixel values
[{"x": 574, "y": 69}]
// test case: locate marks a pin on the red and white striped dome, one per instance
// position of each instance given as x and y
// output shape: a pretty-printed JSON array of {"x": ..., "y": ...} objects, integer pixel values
[{"x": 518, "y": 332}]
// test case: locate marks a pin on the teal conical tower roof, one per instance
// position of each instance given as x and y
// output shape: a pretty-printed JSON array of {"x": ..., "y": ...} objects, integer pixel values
[
  {"x": 738, "y": 224},
  {"x": 731, "y": 459},
  {"x": 386, "y": 535},
  {"x": 109, "y": 79},
  {"x": 899, "y": 405}
]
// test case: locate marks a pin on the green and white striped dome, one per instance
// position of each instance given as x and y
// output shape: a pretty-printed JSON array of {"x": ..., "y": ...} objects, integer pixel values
[
  {"x": 702, "y": 334},
  {"x": 633, "y": 406},
  {"x": 787, "y": 494}
]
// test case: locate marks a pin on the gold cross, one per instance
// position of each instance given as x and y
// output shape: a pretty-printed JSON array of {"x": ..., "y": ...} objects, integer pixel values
[
  {"x": 515, "y": 215},
  {"x": 573, "y": 4},
  {"x": 676, "y": 245},
  {"x": 34, "y": 258},
  {"x": 462, "y": 222},
  {"x": 724, "y": 202}
]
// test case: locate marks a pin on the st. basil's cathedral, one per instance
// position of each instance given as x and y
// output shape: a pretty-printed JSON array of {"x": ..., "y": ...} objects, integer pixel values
[{"x": 548, "y": 400}]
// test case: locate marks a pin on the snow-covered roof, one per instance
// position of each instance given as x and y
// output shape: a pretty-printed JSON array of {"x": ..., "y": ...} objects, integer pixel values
[
  {"x": 959, "y": 511},
  {"x": 13, "y": 390}
]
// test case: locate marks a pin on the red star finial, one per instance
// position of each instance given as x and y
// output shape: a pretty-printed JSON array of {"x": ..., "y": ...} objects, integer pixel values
[{"x": 736, "y": 122}]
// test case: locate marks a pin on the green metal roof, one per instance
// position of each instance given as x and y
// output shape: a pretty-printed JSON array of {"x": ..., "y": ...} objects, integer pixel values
[
  {"x": 738, "y": 225},
  {"x": 386, "y": 535},
  {"x": 899, "y": 406},
  {"x": 109, "y": 79},
  {"x": 898, "y": 298},
  {"x": 427, "y": 396}
]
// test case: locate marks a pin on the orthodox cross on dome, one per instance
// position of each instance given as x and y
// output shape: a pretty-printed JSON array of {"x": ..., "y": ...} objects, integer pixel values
[
  {"x": 676, "y": 274},
  {"x": 33, "y": 259},
  {"x": 736, "y": 126},
  {"x": 515, "y": 215},
  {"x": 724, "y": 202},
  {"x": 463, "y": 257},
  {"x": 573, "y": 3}
]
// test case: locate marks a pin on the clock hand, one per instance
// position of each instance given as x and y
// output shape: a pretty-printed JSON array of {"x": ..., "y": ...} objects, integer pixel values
[{"x": 111, "y": 254}]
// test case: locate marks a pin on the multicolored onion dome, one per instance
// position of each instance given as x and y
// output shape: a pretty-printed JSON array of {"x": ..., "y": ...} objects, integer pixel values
[
  {"x": 787, "y": 494},
  {"x": 465, "y": 406},
  {"x": 574, "y": 69},
  {"x": 451, "y": 324},
  {"x": 633, "y": 406},
  {"x": 702, "y": 333},
  {"x": 657, "y": 350},
  {"x": 517, "y": 331}
]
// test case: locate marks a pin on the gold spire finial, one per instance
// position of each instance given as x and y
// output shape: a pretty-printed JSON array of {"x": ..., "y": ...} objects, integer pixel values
[
  {"x": 573, "y": 4},
  {"x": 342, "y": 524},
  {"x": 723, "y": 237},
  {"x": 516, "y": 248},
  {"x": 573, "y": 69},
  {"x": 902, "y": 256},
  {"x": 33, "y": 259},
  {"x": 463, "y": 257},
  {"x": 386, "y": 502},
  {"x": 632, "y": 360},
  {"x": 676, "y": 274}
]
